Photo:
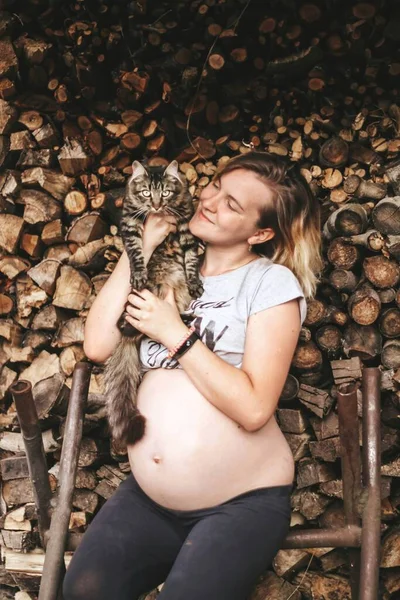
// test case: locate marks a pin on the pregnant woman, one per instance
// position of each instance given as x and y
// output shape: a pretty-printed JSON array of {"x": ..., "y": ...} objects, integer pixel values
[{"x": 207, "y": 504}]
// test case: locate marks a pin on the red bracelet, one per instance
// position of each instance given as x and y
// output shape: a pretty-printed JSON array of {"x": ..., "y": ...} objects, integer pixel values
[{"x": 175, "y": 349}]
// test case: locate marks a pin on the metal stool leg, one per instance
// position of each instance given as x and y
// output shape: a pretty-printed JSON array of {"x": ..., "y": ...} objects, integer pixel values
[
  {"x": 371, "y": 517},
  {"x": 351, "y": 471},
  {"x": 21, "y": 392}
]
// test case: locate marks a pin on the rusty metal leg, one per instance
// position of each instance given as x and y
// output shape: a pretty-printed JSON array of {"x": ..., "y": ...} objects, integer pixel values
[
  {"x": 351, "y": 471},
  {"x": 54, "y": 559},
  {"x": 27, "y": 416},
  {"x": 371, "y": 518}
]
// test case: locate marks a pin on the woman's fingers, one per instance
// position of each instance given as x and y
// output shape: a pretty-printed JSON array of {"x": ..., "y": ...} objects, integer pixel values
[
  {"x": 134, "y": 294},
  {"x": 169, "y": 223},
  {"x": 133, "y": 312},
  {"x": 140, "y": 299},
  {"x": 170, "y": 296},
  {"x": 144, "y": 294},
  {"x": 161, "y": 218},
  {"x": 157, "y": 228},
  {"x": 135, "y": 302}
]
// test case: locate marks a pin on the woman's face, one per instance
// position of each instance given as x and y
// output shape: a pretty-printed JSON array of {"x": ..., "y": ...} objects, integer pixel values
[{"x": 229, "y": 209}]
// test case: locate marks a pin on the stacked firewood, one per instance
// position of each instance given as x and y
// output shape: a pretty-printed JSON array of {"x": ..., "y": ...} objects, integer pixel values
[{"x": 86, "y": 87}]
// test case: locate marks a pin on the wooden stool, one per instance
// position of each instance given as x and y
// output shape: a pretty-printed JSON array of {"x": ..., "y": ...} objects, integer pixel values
[
  {"x": 361, "y": 486},
  {"x": 361, "y": 493}
]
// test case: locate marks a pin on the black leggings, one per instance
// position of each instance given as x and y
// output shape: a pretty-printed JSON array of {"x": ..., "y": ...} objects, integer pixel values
[{"x": 218, "y": 553}]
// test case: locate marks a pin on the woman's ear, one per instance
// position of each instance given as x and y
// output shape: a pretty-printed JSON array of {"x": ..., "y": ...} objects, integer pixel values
[{"x": 261, "y": 236}]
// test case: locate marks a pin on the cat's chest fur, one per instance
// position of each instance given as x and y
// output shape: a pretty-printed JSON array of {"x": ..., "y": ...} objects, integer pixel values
[
  {"x": 170, "y": 248},
  {"x": 167, "y": 263}
]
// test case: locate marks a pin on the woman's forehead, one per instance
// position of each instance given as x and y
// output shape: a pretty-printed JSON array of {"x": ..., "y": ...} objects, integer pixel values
[{"x": 246, "y": 186}]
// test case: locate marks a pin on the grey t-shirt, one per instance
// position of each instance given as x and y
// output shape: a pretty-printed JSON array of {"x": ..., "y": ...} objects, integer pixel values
[{"x": 220, "y": 315}]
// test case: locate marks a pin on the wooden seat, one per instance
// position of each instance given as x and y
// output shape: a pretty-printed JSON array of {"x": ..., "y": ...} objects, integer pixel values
[{"x": 361, "y": 482}]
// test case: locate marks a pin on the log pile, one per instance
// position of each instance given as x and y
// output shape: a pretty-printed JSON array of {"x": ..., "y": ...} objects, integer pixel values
[{"x": 88, "y": 87}]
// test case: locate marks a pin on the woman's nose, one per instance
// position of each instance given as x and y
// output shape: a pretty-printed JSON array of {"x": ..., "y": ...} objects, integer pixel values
[{"x": 210, "y": 199}]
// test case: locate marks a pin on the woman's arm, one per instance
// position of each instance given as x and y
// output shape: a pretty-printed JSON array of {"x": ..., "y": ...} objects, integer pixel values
[
  {"x": 101, "y": 332},
  {"x": 248, "y": 395}
]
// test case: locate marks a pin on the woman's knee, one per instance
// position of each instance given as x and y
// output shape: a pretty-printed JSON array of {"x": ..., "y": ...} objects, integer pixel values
[
  {"x": 87, "y": 576},
  {"x": 87, "y": 584},
  {"x": 90, "y": 584},
  {"x": 76, "y": 587}
]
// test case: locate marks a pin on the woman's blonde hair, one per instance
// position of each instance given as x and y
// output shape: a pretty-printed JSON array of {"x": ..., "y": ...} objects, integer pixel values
[{"x": 294, "y": 216}]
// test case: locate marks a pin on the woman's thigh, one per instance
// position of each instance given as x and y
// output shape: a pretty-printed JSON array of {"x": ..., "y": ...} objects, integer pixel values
[
  {"x": 127, "y": 550},
  {"x": 226, "y": 551}
]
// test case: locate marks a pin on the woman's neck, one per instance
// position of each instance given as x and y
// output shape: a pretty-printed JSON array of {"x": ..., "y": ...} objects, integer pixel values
[{"x": 217, "y": 261}]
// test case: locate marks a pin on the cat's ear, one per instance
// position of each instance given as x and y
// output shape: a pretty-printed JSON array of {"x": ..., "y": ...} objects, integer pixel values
[
  {"x": 138, "y": 170},
  {"x": 172, "y": 170}
]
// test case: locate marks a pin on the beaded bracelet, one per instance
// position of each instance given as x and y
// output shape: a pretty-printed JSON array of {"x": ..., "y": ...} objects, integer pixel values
[
  {"x": 175, "y": 349},
  {"x": 187, "y": 344}
]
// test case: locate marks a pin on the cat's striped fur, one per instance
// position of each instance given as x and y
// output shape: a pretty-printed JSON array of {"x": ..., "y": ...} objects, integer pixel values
[{"x": 174, "y": 263}]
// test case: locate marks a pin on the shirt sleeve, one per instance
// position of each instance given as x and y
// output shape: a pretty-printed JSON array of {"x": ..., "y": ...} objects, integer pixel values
[{"x": 276, "y": 286}]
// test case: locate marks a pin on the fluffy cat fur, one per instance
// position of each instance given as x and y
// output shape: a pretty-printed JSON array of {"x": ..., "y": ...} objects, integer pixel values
[{"x": 174, "y": 263}]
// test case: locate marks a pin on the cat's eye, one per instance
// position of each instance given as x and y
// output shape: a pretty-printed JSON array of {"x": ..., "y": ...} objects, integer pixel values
[
  {"x": 146, "y": 193},
  {"x": 166, "y": 193}
]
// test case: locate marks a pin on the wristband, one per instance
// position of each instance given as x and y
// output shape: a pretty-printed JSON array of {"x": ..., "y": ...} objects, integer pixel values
[
  {"x": 175, "y": 349},
  {"x": 187, "y": 344}
]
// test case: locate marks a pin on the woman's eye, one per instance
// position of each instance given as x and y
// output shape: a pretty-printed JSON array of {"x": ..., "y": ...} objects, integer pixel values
[
  {"x": 231, "y": 207},
  {"x": 166, "y": 193},
  {"x": 146, "y": 193}
]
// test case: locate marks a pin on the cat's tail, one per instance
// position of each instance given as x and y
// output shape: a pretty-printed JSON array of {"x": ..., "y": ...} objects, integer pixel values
[{"x": 121, "y": 378}]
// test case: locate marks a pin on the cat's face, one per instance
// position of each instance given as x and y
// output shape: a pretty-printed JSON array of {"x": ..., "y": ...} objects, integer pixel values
[{"x": 154, "y": 189}]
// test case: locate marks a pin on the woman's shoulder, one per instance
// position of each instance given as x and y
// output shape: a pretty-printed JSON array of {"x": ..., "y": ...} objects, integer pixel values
[
  {"x": 274, "y": 284},
  {"x": 265, "y": 268}
]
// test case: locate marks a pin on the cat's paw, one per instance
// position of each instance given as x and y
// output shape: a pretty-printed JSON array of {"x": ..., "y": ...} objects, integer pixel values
[
  {"x": 126, "y": 328},
  {"x": 195, "y": 288},
  {"x": 138, "y": 281}
]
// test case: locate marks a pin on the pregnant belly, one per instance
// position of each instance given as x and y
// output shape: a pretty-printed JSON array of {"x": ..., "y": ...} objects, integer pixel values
[{"x": 192, "y": 455}]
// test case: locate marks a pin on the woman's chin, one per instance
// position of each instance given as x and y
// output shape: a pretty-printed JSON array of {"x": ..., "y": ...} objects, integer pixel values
[
  {"x": 199, "y": 235},
  {"x": 194, "y": 228},
  {"x": 201, "y": 229}
]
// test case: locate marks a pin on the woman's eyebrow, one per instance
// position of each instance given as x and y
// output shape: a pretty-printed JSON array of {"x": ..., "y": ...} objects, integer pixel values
[
  {"x": 232, "y": 197},
  {"x": 234, "y": 200}
]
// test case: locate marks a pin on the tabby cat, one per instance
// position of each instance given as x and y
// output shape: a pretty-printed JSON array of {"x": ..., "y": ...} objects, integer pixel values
[{"x": 174, "y": 263}]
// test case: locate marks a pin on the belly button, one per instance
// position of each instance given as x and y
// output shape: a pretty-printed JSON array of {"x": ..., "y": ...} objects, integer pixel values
[{"x": 156, "y": 459}]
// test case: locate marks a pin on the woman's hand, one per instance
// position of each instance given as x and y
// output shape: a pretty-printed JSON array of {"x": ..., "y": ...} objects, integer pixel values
[
  {"x": 158, "y": 319},
  {"x": 156, "y": 229}
]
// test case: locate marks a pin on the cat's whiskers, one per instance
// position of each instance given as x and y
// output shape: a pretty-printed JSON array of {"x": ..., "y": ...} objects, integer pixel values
[
  {"x": 139, "y": 212},
  {"x": 173, "y": 211}
]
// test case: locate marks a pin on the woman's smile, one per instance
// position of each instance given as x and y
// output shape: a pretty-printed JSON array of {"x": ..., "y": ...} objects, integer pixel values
[{"x": 203, "y": 216}]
